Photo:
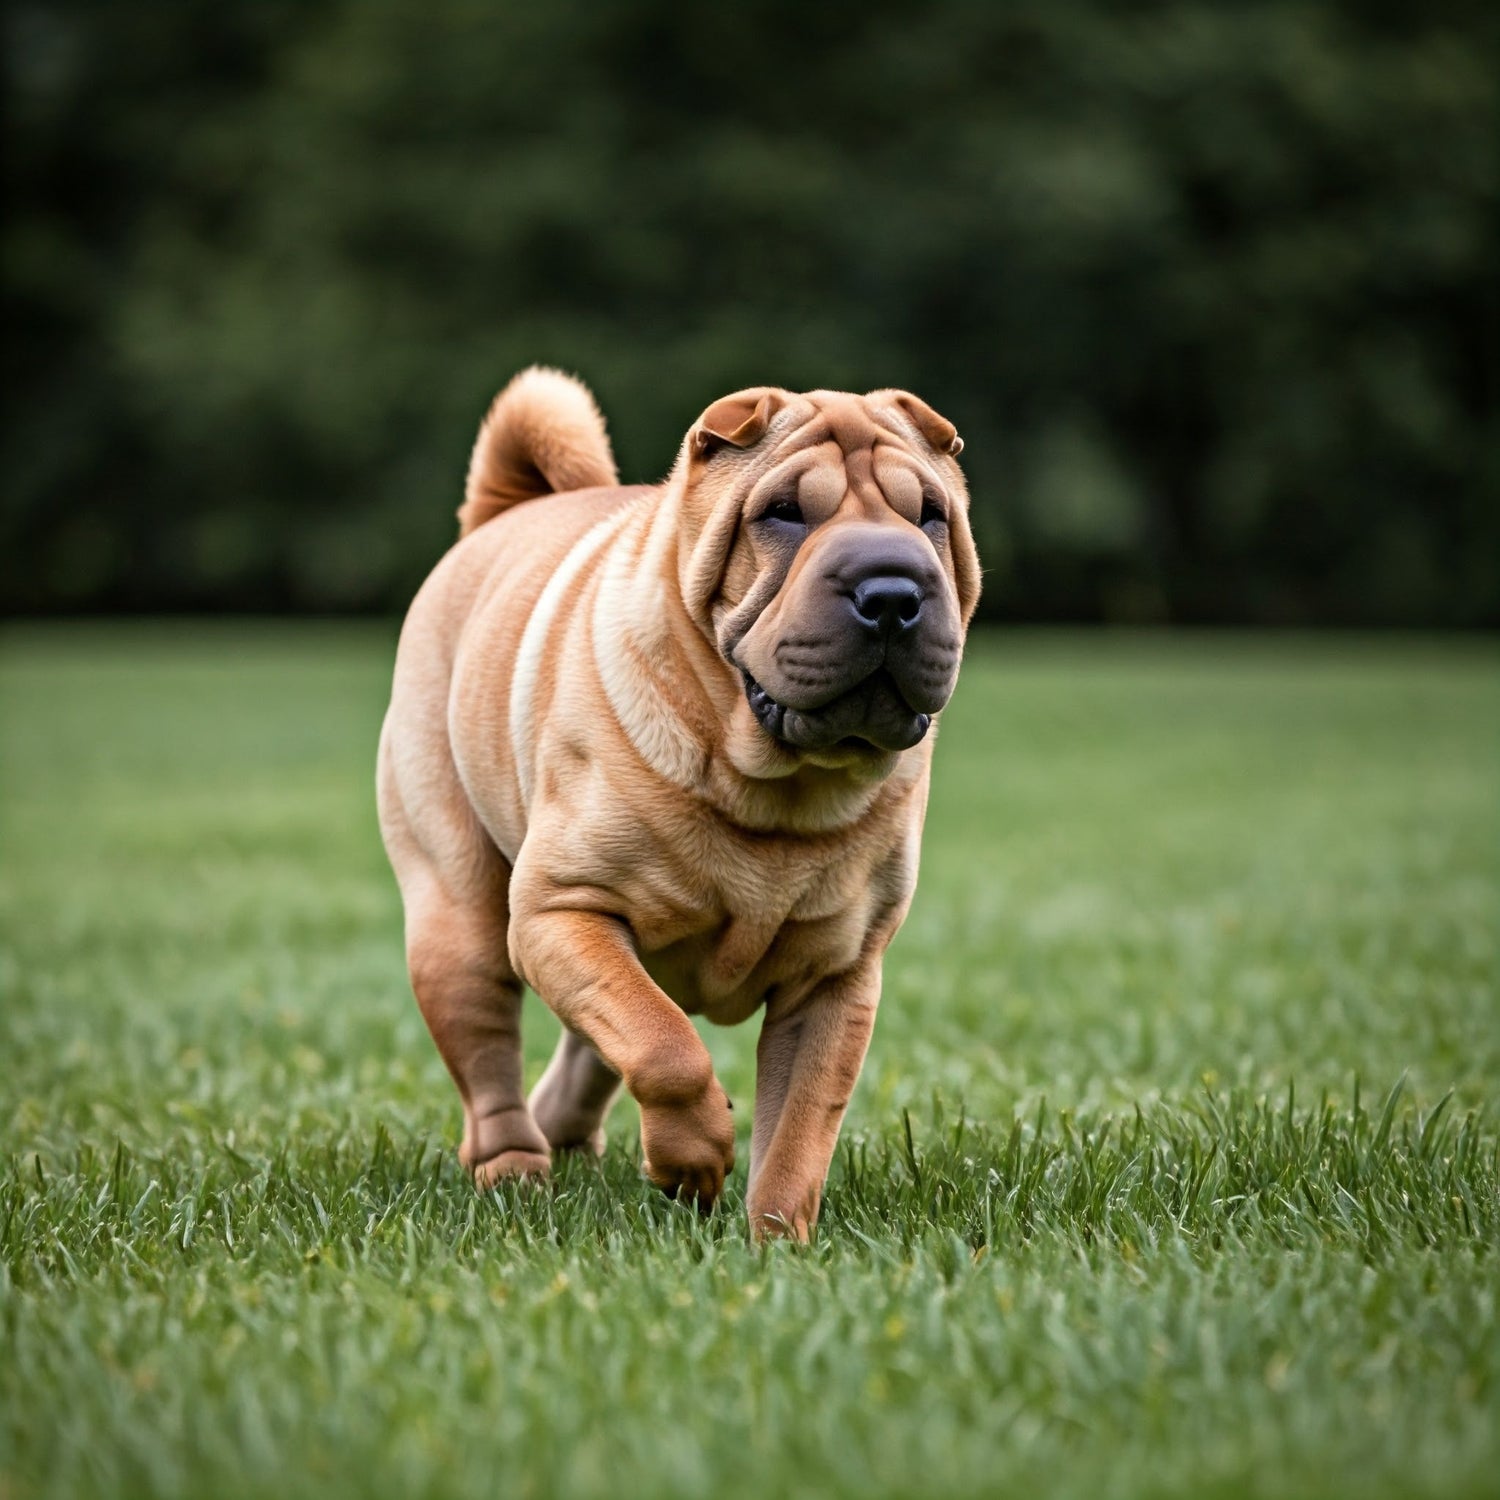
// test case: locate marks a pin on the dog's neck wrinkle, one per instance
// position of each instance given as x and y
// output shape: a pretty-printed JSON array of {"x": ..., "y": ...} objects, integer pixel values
[
  {"x": 788, "y": 805},
  {"x": 638, "y": 656},
  {"x": 678, "y": 632}
]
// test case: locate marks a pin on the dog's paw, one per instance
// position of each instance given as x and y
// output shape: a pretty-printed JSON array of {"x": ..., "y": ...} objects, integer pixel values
[
  {"x": 580, "y": 1145},
  {"x": 782, "y": 1209},
  {"x": 503, "y": 1143},
  {"x": 689, "y": 1146},
  {"x": 567, "y": 1129},
  {"x": 510, "y": 1165},
  {"x": 779, "y": 1224}
]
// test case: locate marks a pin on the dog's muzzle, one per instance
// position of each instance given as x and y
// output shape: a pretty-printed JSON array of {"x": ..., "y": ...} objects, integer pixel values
[
  {"x": 866, "y": 649},
  {"x": 872, "y": 712}
]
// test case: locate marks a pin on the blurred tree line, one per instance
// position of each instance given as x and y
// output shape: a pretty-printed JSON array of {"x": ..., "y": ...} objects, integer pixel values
[{"x": 1209, "y": 288}]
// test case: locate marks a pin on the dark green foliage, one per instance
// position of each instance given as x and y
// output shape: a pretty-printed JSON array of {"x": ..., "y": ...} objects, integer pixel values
[
  {"x": 1174, "y": 1170},
  {"x": 1209, "y": 289}
]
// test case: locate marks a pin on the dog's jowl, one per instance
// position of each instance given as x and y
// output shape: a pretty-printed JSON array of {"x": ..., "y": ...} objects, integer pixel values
[{"x": 662, "y": 751}]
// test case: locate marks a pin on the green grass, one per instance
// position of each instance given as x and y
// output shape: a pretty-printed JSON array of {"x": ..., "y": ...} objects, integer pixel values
[{"x": 1173, "y": 1172}]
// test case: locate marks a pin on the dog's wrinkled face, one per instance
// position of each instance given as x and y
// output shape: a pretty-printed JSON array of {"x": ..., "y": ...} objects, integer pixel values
[{"x": 835, "y": 562}]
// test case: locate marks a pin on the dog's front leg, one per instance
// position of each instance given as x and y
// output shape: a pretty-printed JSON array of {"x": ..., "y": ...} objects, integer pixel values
[
  {"x": 585, "y": 966},
  {"x": 807, "y": 1064}
]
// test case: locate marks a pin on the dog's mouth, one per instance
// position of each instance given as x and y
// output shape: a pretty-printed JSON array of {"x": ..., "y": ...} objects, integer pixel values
[{"x": 872, "y": 714}]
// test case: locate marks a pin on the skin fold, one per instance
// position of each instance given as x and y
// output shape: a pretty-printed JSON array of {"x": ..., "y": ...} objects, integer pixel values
[{"x": 663, "y": 751}]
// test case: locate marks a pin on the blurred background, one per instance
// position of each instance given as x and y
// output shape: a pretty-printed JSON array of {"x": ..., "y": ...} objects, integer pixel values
[{"x": 1209, "y": 289}]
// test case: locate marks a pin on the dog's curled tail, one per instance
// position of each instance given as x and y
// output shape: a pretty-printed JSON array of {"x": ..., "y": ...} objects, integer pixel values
[{"x": 542, "y": 435}]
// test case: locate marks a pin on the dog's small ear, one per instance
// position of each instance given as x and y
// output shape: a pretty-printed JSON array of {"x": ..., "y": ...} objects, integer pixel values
[
  {"x": 938, "y": 430},
  {"x": 739, "y": 420}
]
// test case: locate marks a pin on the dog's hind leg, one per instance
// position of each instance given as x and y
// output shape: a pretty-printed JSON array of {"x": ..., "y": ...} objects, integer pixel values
[
  {"x": 454, "y": 884},
  {"x": 574, "y": 1095},
  {"x": 471, "y": 1000}
]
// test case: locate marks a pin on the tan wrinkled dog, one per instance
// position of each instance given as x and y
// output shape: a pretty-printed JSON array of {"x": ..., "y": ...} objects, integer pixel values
[{"x": 662, "y": 751}]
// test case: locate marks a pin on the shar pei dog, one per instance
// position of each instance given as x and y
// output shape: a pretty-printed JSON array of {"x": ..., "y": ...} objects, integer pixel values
[{"x": 660, "y": 751}]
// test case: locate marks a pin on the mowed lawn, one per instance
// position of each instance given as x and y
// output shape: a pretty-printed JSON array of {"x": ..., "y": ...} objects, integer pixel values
[{"x": 1173, "y": 1170}]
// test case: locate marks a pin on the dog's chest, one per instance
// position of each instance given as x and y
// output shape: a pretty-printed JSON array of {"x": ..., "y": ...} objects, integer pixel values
[{"x": 760, "y": 940}]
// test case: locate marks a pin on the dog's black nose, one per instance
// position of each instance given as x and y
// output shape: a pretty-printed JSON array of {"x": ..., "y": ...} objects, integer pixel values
[{"x": 888, "y": 603}]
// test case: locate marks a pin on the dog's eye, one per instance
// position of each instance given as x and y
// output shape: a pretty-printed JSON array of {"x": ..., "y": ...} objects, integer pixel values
[
  {"x": 783, "y": 510},
  {"x": 932, "y": 513}
]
